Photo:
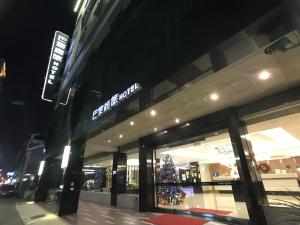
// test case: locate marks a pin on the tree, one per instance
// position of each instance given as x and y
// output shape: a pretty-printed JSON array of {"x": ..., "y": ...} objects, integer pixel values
[{"x": 169, "y": 194}]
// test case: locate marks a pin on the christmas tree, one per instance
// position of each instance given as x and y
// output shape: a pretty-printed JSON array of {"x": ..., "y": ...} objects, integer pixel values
[{"x": 169, "y": 194}]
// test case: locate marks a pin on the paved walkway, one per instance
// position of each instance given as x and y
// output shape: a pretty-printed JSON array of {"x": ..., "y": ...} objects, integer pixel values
[
  {"x": 8, "y": 213},
  {"x": 88, "y": 214}
]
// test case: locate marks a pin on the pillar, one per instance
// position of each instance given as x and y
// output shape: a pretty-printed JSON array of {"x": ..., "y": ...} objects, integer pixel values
[
  {"x": 251, "y": 189},
  {"x": 72, "y": 179}
]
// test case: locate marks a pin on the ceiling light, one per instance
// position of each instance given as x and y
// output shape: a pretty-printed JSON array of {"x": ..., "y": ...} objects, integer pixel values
[
  {"x": 187, "y": 124},
  {"x": 131, "y": 123},
  {"x": 121, "y": 136},
  {"x": 214, "y": 96},
  {"x": 264, "y": 75},
  {"x": 108, "y": 141},
  {"x": 153, "y": 113},
  {"x": 165, "y": 131},
  {"x": 155, "y": 129},
  {"x": 177, "y": 120}
]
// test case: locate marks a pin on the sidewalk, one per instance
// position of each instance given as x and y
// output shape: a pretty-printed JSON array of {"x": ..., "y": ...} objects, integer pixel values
[
  {"x": 93, "y": 214},
  {"x": 32, "y": 213},
  {"x": 8, "y": 213}
]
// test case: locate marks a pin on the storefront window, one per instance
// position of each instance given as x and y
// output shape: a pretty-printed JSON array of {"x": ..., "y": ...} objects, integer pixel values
[
  {"x": 198, "y": 176},
  {"x": 276, "y": 147},
  {"x": 98, "y": 176}
]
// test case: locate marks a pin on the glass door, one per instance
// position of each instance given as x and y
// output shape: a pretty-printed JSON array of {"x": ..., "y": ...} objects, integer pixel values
[
  {"x": 200, "y": 176},
  {"x": 276, "y": 146}
]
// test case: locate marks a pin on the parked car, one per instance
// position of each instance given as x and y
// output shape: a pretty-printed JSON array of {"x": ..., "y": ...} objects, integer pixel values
[{"x": 7, "y": 190}]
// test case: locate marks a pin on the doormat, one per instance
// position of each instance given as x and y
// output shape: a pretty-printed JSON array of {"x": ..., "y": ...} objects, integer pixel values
[
  {"x": 169, "y": 219},
  {"x": 210, "y": 211}
]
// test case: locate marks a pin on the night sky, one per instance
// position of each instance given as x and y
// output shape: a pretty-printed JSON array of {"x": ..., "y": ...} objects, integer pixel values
[{"x": 26, "y": 32}]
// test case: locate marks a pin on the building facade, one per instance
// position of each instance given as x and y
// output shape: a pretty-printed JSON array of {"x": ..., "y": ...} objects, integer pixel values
[{"x": 182, "y": 106}]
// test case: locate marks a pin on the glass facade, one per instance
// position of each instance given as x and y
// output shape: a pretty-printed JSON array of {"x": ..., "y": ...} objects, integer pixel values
[
  {"x": 98, "y": 176},
  {"x": 132, "y": 173},
  {"x": 276, "y": 147},
  {"x": 198, "y": 176}
]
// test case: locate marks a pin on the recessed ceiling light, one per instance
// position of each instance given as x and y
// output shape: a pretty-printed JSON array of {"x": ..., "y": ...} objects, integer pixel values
[
  {"x": 131, "y": 123},
  {"x": 177, "y": 120},
  {"x": 214, "y": 96},
  {"x": 155, "y": 129},
  {"x": 153, "y": 113},
  {"x": 187, "y": 124},
  {"x": 121, "y": 136},
  {"x": 264, "y": 75},
  {"x": 108, "y": 141}
]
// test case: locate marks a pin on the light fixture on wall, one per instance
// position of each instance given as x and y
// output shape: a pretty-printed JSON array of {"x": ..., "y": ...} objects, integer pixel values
[
  {"x": 121, "y": 136},
  {"x": 41, "y": 168},
  {"x": 177, "y": 120},
  {"x": 109, "y": 141},
  {"x": 155, "y": 129},
  {"x": 131, "y": 123},
  {"x": 66, "y": 155}
]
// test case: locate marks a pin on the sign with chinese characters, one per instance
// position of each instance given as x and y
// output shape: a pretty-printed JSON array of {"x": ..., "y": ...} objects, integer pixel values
[
  {"x": 115, "y": 101},
  {"x": 55, "y": 66}
]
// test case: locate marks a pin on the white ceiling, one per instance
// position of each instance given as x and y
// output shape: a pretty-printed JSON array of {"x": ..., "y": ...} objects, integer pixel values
[
  {"x": 236, "y": 84},
  {"x": 274, "y": 139}
]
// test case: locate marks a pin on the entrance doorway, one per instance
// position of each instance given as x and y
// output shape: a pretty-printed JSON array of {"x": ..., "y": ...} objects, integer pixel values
[{"x": 199, "y": 175}]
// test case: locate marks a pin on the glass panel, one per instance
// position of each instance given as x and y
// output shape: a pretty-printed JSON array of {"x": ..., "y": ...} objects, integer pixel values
[
  {"x": 199, "y": 176},
  {"x": 98, "y": 176},
  {"x": 132, "y": 178},
  {"x": 276, "y": 147}
]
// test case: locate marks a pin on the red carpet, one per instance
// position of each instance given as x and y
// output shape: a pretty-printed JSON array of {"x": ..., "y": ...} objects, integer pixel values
[
  {"x": 169, "y": 219},
  {"x": 210, "y": 211}
]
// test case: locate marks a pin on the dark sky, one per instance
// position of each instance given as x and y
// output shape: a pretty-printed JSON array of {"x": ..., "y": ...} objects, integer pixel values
[{"x": 26, "y": 31}]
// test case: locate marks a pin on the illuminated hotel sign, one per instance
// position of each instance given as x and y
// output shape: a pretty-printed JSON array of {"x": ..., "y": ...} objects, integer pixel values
[
  {"x": 55, "y": 66},
  {"x": 115, "y": 100}
]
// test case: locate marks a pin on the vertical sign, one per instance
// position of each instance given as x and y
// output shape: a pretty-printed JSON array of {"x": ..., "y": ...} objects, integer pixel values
[{"x": 55, "y": 66}]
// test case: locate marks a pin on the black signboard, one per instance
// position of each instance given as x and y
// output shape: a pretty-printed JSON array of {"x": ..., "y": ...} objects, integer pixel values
[{"x": 55, "y": 67}]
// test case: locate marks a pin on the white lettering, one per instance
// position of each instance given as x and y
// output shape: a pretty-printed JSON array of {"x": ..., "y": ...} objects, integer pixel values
[
  {"x": 95, "y": 114},
  {"x": 114, "y": 101},
  {"x": 59, "y": 51},
  {"x": 107, "y": 106},
  {"x": 61, "y": 38},
  {"x": 61, "y": 45},
  {"x": 57, "y": 57}
]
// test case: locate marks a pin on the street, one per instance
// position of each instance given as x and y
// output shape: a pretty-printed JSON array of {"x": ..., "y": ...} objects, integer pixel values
[{"x": 9, "y": 215}]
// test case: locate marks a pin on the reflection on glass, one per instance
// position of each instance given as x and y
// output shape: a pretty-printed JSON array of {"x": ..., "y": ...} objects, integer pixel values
[
  {"x": 198, "y": 175},
  {"x": 98, "y": 176},
  {"x": 276, "y": 147},
  {"x": 132, "y": 178}
]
